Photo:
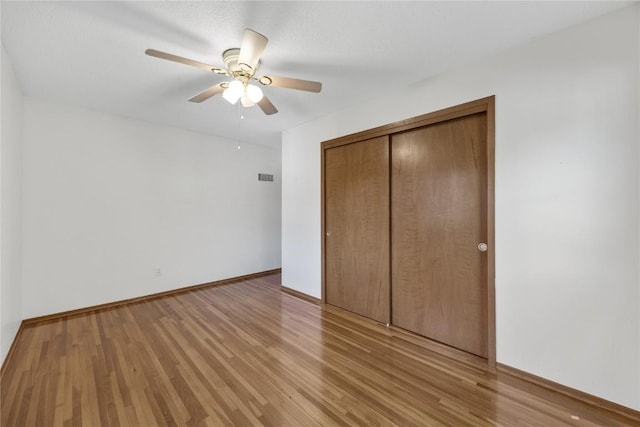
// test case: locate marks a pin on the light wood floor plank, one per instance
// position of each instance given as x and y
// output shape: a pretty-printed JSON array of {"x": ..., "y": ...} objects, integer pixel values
[{"x": 246, "y": 354}]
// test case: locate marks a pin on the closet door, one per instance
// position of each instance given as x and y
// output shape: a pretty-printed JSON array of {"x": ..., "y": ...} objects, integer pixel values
[
  {"x": 357, "y": 228},
  {"x": 439, "y": 217}
]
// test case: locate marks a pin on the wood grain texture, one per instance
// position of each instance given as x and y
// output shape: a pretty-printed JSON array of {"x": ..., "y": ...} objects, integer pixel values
[
  {"x": 439, "y": 216},
  {"x": 357, "y": 228},
  {"x": 114, "y": 304},
  {"x": 246, "y": 354},
  {"x": 480, "y": 106}
]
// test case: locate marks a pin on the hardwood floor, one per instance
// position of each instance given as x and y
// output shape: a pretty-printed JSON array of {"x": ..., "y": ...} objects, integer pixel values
[{"x": 247, "y": 354}]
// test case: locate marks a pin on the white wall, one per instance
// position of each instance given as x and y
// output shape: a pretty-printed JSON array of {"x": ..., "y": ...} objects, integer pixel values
[
  {"x": 10, "y": 206},
  {"x": 567, "y": 198},
  {"x": 107, "y": 200}
]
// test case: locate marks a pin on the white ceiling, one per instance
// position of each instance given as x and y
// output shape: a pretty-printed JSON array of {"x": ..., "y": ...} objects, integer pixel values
[{"x": 91, "y": 54}]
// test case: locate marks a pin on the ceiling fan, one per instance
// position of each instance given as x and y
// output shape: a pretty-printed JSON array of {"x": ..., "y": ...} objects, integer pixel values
[{"x": 242, "y": 64}]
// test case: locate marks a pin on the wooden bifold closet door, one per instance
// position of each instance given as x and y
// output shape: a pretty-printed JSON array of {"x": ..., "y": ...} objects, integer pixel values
[
  {"x": 408, "y": 222},
  {"x": 439, "y": 217},
  {"x": 357, "y": 227}
]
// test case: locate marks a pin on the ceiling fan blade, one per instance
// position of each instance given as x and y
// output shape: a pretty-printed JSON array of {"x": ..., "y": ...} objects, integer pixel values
[
  {"x": 266, "y": 106},
  {"x": 288, "y": 82},
  {"x": 253, "y": 44},
  {"x": 204, "y": 95},
  {"x": 186, "y": 61}
]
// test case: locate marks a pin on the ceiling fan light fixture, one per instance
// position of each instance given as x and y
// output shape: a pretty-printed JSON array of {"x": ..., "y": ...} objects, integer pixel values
[
  {"x": 246, "y": 102},
  {"x": 233, "y": 93},
  {"x": 241, "y": 66},
  {"x": 254, "y": 93}
]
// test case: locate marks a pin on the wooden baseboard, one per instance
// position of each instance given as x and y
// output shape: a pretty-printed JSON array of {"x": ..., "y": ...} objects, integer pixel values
[
  {"x": 572, "y": 393},
  {"x": 110, "y": 305},
  {"x": 300, "y": 295}
]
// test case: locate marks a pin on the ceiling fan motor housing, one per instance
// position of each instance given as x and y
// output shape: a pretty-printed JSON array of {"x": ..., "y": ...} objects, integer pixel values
[{"x": 230, "y": 59}]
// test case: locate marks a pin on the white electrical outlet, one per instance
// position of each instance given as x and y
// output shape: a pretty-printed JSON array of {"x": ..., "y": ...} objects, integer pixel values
[{"x": 158, "y": 272}]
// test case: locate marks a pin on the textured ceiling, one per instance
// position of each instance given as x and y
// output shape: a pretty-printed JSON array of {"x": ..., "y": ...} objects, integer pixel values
[{"x": 91, "y": 54}]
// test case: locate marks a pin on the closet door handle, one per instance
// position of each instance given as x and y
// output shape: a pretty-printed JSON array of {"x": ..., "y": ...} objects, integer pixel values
[
  {"x": 328, "y": 233},
  {"x": 482, "y": 247}
]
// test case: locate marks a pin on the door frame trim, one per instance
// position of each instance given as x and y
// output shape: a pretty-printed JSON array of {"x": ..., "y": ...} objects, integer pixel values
[{"x": 484, "y": 105}]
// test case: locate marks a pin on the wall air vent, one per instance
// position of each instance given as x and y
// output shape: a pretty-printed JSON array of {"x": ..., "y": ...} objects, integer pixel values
[{"x": 265, "y": 177}]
